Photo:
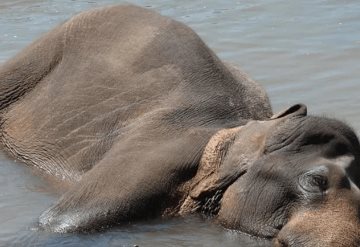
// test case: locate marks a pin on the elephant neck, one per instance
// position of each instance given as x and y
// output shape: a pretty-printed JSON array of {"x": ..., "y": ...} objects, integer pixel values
[{"x": 204, "y": 192}]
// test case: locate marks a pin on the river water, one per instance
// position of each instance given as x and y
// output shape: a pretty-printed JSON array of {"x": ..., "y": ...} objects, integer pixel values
[{"x": 301, "y": 51}]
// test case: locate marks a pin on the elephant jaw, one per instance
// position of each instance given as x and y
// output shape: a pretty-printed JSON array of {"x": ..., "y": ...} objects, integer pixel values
[{"x": 204, "y": 192}]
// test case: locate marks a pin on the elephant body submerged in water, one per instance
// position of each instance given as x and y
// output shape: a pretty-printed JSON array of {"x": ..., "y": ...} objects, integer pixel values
[{"x": 144, "y": 120}]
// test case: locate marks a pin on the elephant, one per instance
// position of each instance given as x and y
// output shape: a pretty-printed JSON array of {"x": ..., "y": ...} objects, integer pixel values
[{"x": 140, "y": 119}]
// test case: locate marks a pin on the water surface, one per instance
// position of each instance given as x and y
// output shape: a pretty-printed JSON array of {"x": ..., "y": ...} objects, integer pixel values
[{"x": 300, "y": 51}]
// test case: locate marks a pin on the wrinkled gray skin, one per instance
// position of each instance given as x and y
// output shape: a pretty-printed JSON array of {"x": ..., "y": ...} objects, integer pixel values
[{"x": 143, "y": 120}]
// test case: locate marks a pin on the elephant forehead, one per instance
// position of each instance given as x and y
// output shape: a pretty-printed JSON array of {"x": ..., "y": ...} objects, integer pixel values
[{"x": 313, "y": 133}]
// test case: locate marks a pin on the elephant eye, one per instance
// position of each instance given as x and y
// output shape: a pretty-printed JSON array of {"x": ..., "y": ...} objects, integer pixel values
[
  {"x": 319, "y": 181},
  {"x": 315, "y": 181}
]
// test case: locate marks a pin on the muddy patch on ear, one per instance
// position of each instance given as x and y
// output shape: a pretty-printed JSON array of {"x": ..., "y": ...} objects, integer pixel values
[{"x": 205, "y": 188}]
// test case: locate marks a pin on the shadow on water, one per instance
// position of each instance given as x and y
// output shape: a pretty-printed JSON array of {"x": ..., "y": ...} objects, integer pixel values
[{"x": 301, "y": 51}]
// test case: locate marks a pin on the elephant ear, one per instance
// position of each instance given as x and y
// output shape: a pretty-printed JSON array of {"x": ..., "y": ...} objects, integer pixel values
[
  {"x": 227, "y": 156},
  {"x": 217, "y": 170},
  {"x": 295, "y": 110}
]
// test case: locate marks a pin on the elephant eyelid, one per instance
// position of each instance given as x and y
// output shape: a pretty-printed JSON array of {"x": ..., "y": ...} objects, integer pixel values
[{"x": 314, "y": 182}]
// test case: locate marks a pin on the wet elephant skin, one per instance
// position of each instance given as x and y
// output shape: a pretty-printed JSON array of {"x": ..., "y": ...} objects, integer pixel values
[{"x": 143, "y": 120}]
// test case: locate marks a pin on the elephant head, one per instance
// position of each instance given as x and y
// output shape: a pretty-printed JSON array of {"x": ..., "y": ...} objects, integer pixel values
[{"x": 293, "y": 178}]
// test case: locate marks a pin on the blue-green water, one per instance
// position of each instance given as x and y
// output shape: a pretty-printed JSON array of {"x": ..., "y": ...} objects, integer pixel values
[{"x": 301, "y": 51}]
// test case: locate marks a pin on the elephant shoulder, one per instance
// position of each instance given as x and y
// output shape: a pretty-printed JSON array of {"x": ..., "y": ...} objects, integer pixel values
[{"x": 255, "y": 96}]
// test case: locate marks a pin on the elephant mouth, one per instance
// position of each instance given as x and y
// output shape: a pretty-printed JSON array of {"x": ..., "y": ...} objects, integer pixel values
[
  {"x": 206, "y": 202},
  {"x": 210, "y": 205}
]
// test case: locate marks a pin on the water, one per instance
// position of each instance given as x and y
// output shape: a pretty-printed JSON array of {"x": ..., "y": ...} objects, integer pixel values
[{"x": 301, "y": 51}]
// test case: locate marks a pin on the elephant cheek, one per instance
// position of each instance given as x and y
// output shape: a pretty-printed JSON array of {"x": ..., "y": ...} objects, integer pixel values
[
  {"x": 238, "y": 212},
  {"x": 228, "y": 215},
  {"x": 231, "y": 214}
]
